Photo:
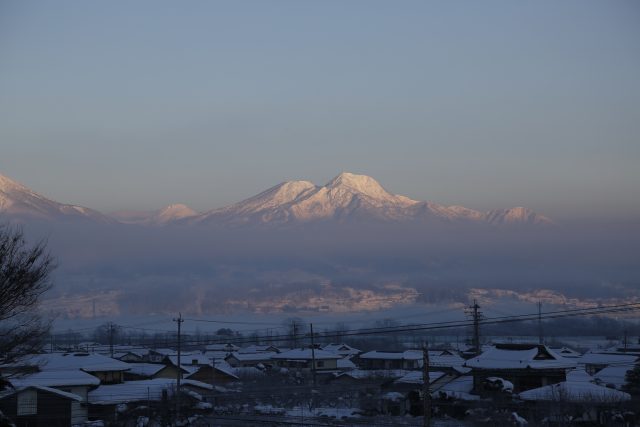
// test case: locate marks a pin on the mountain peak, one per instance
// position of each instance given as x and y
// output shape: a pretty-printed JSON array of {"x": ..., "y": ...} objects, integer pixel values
[
  {"x": 171, "y": 213},
  {"x": 7, "y": 184},
  {"x": 358, "y": 184},
  {"x": 19, "y": 201}
]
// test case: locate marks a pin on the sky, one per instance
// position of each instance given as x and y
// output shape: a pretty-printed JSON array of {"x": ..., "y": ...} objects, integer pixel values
[{"x": 135, "y": 105}]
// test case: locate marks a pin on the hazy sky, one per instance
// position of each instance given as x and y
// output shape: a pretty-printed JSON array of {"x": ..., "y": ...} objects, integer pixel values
[{"x": 487, "y": 104}]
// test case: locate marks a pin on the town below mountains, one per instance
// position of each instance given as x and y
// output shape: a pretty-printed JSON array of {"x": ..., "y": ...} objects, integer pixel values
[{"x": 346, "y": 198}]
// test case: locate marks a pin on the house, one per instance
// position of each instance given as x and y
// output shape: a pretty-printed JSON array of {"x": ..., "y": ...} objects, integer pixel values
[
  {"x": 34, "y": 406},
  {"x": 245, "y": 360},
  {"x": 567, "y": 352},
  {"x": 106, "y": 369},
  {"x": 147, "y": 371},
  {"x": 447, "y": 361},
  {"x": 414, "y": 379},
  {"x": 409, "y": 359},
  {"x": 199, "y": 367},
  {"x": 72, "y": 381},
  {"x": 525, "y": 366},
  {"x": 228, "y": 347},
  {"x": 342, "y": 350},
  {"x": 131, "y": 355},
  {"x": 259, "y": 349},
  {"x": 103, "y": 401},
  {"x": 368, "y": 378},
  {"x": 345, "y": 364},
  {"x": 613, "y": 375},
  {"x": 302, "y": 358},
  {"x": 75, "y": 373},
  {"x": 575, "y": 392},
  {"x": 157, "y": 355},
  {"x": 222, "y": 373},
  {"x": 459, "y": 388},
  {"x": 595, "y": 362}
]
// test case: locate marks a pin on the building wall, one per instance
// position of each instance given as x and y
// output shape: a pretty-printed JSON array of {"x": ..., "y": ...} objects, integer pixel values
[
  {"x": 51, "y": 411},
  {"x": 79, "y": 410}
]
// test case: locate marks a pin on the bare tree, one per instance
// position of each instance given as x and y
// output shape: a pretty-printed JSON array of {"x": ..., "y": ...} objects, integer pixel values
[{"x": 24, "y": 276}]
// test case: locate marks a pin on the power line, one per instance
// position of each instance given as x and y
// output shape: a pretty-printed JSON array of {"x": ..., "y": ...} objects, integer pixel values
[{"x": 454, "y": 324}]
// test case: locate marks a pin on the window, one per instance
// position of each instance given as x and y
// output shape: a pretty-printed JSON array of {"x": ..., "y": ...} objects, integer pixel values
[
  {"x": 320, "y": 363},
  {"x": 28, "y": 402}
]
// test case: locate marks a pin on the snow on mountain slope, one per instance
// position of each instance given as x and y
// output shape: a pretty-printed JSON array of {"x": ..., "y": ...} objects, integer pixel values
[
  {"x": 171, "y": 213},
  {"x": 268, "y": 206},
  {"x": 18, "y": 201},
  {"x": 349, "y": 197},
  {"x": 517, "y": 215}
]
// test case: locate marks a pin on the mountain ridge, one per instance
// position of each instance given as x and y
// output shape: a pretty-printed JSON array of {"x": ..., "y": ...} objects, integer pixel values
[{"x": 347, "y": 197}]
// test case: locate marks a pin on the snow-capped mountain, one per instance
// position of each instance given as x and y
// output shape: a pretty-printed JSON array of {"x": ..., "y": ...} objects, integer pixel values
[
  {"x": 18, "y": 201},
  {"x": 347, "y": 197},
  {"x": 162, "y": 216},
  {"x": 171, "y": 213},
  {"x": 350, "y": 197}
]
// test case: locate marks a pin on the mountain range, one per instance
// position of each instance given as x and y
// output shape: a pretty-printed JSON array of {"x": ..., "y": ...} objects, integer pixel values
[{"x": 348, "y": 197}]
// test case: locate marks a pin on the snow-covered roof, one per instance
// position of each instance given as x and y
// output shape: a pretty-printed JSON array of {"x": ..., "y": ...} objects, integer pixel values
[
  {"x": 305, "y": 354},
  {"x": 566, "y": 352},
  {"x": 445, "y": 360},
  {"x": 64, "y": 378},
  {"x": 343, "y": 349},
  {"x": 139, "y": 352},
  {"x": 415, "y": 377},
  {"x": 614, "y": 375},
  {"x": 67, "y": 369},
  {"x": 252, "y": 357},
  {"x": 145, "y": 369},
  {"x": 345, "y": 363},
  {"x": 579, "y": 375},
  {"x": 221, "y": 366},
  {"x": 519, "y": 356},
  {"x": 135, "y": 391},
  {"x": 247, "y": 371},
  {"x": 60, "y": 393},
  {"x": 606, "y": 359},
  {"x": 575, "y": 391},
  {"x": 374, "y": 373},
  {"x": 88, "y": 362},
  {"x": 259, "y": 349},
  {"x": 393, "y": 355},
  {"x": 459, "y": 388},
  {"x": 215, "y": 354},
  {"x": 222, "y": 347}
]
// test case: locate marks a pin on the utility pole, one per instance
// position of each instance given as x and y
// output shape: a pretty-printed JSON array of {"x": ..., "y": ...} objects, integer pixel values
[
  {"x": 213, "y": 368},
  {"x": 426, "y": 402},
  {"x": 110, "y": 334},
  {"x": 149, "y": 404},
  {"x": 540, "y": 335},
  {"x": 476, "y": 315},
  {"x": 179, "y": 320},
  {"x": 295, "y": 333},
  {"x": 313, "y": 357}
]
